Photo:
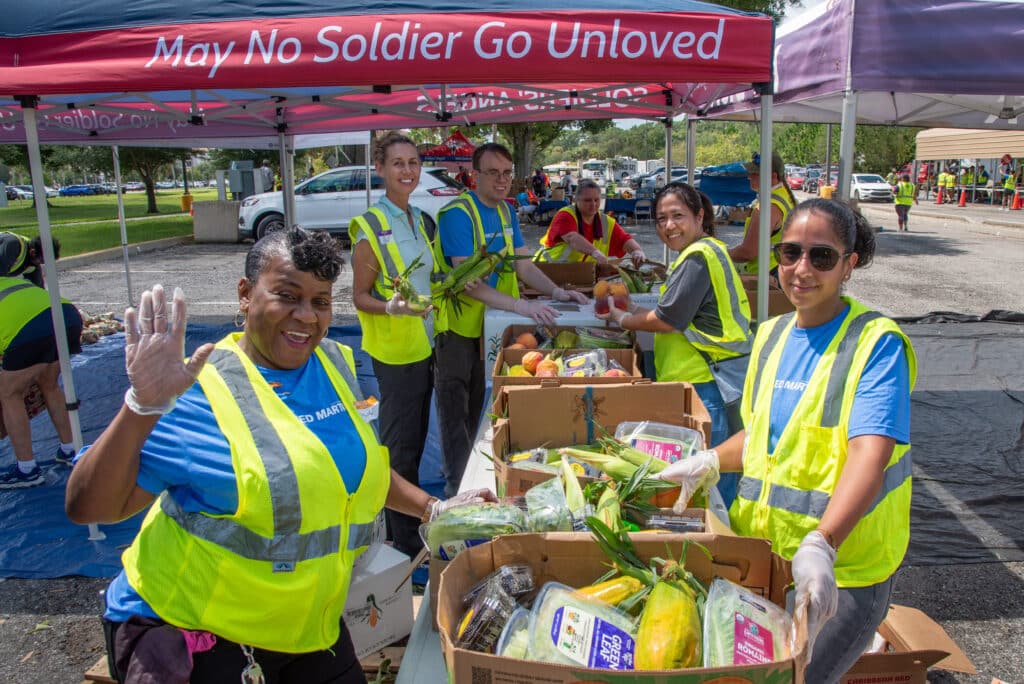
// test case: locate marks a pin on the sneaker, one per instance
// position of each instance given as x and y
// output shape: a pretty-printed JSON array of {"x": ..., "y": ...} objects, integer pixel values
[
  {"x": 63, "y": 457},
  {"x": 15, "y": 479}
]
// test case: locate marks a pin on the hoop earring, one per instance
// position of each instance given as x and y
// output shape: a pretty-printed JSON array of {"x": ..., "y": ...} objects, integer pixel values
[{"x": 239, "y": 319}]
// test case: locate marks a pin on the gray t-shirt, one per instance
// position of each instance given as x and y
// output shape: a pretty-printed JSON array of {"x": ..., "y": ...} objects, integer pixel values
[{"x": 689, "y": 297}]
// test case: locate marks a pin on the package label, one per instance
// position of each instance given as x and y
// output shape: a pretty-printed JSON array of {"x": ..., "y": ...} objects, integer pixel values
[
  {"x": 667, "y": 451},
  {"x": 590, "y": 641},
  {"x": 752, "y": 642},
  {"x": 449, "y": 550}
]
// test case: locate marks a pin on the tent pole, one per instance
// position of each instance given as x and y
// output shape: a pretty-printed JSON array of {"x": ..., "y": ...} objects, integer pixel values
[
  {"x": 691, "y": 148},
  {"x": 121, "y": 221},
  {"x": 846, "y": 138},
  {"x": 764, "y": 192},
  {"x": 366, "y": 155},
  {"x": 828, "y": 151},
  {"x": 286, "y": 187},
  {"x": 668, "y": 176},
  {"x": 28, "y": 106}
]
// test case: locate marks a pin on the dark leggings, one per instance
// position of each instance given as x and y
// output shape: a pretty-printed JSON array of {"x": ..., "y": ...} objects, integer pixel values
[{"x": 226, "y": 661}]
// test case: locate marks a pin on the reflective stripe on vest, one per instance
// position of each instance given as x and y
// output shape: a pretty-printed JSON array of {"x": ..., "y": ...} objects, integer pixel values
[
  {"x": 382, "y": 283},
  {"x": 732, "y": 285},
  {"x": 779, "y": 198},
  {"x": 4, "y": 294},
  {"x": 288, "y": 544},
  {"x": 563, "y": 251},
  {"x": 779, "y": 325}
]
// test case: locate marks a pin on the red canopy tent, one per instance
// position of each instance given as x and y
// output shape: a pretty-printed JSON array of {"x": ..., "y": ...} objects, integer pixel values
[{"x": 456, "y": 151}]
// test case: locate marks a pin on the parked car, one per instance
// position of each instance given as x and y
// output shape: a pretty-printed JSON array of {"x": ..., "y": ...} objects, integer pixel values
[
  {"x": 796, "y": 181},
  {"x": 20, "y": 192},
  {"x": 649, "y": 184},
  {"x": 77, "y": 190},
  {"x": 870, "y": 187},
  {"x": 328, "y": 201}
]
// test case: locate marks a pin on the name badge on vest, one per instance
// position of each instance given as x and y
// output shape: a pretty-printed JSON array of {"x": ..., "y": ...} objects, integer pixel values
[
  {"x": 368, "y": 408},
  {"x": 386, "y": 237},
  {"x": 283, "y": 566}
]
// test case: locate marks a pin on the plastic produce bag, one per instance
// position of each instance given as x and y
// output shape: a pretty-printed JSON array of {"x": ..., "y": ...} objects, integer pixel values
[
  {"x": 459, "y": 528},
  {"x": 569, "y": 628},
  {"x": 589, "y": 364},
  {"x": 484, "y": 621},
  {"x": 742, "y": 628},
  {"x": 547, "y": 509},
  {"x": 670, "y": 443}
]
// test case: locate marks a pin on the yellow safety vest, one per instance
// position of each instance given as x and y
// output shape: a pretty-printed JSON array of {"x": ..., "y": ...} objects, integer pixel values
[
  {"x": 275, "y": 573},
  {"x": 20, "y": 302},
  {"x": 783, "y": 494},
  {"x": 905, "y": 192},
  {"x": 1009, "y": 183},
  {"x": 950, "y": 180},
  {"x": 16, "y": 266},
  {"x": 676, "y": 355},
  {"x": 393, "y": 339},
  {"x": 469, "y": 322},
  {"x": 780, "y": 198},
  {"x": 562, "y": 252}
]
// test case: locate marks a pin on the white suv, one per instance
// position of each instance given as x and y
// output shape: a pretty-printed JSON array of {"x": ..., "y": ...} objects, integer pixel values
[{"x": 328, "y": 201}]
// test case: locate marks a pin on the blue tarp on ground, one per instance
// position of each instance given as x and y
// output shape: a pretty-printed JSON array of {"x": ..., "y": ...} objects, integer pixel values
[{"x": 36, "y": 538}]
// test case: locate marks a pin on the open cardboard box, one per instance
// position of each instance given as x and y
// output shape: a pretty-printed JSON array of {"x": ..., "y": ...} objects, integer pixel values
[
  {"x": 576, "y": 560},
  {"x": 555, "y": 415},
  {"x": 627, "y": 358},
  {"x": 915, "y": 641},
  {"x": 778, "y": 303},
  {"x": 572, "y": 275},
  {"x": 510, "y": 333}
]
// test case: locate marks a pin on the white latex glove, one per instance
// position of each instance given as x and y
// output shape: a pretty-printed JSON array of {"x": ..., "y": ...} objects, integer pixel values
[
  {"x": 154, "y": 351},
  {"x": 691, "y": 474},
  {"x": 600, "y": 257},
  {"x": 397, "y": 306},
  {"x": 638, "y": 257},
  {"x": 473, "y": 496},
  {"x": 537, "y": 310},
  {"x": 562, "y": 295},
  {"x": 814, "y": 575}
]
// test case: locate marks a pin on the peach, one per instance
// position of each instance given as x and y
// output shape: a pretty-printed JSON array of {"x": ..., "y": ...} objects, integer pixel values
[
  {"x": 531, "y": 359},
  {"x": 515, "y": 345},
  {"x": 615, "y": 373},
  {"x": 547, "y": 369},
  {"x": 528, "y": 340}
]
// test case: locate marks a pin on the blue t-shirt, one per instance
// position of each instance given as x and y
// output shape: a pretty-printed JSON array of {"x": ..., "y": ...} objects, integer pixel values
[
  {"x": 456, "y": 229},
  {"x": 881, "y": 405},
  {"x": 201, "y": 477}
]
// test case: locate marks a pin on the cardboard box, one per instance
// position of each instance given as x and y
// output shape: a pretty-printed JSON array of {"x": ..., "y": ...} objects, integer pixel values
[
  {"x": 778, "y": 303},
  {"x": 577, "y": 275},
  {"x": 564, "y": 415},
  {"x": 915, "y": 642},
  {"x": 577, "y": 561},
  {"x": 627, "y": 358},
  {"x": 496, "y": 322},
  {"x": 378, "y": 611}
]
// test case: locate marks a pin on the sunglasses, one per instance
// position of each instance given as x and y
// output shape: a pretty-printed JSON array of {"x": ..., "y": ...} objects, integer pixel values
[{"x": 822, "y": 257}]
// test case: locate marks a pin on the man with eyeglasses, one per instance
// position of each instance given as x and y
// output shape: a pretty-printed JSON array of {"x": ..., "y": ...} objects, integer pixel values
[{"x": 480, "y": 217}]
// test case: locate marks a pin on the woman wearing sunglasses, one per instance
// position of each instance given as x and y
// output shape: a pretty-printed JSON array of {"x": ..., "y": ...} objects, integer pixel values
[
  {"x": 825, "y": 454},
  {"x": 702, "y": 320}
]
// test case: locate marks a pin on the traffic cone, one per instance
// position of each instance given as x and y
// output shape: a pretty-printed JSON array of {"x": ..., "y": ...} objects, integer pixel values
[
  {"x": 938, "y": 196},
  {"x": 1018, "y": 202},
  {"x": 963, "y": 199}
]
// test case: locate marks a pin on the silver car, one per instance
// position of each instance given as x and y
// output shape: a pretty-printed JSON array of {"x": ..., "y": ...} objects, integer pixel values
[{"x": 328, "y": 201}]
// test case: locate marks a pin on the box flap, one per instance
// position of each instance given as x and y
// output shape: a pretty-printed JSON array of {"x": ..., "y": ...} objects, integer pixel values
[{"x": 909, "y": 629}]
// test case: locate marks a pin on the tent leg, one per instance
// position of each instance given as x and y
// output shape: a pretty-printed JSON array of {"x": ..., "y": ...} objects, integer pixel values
[
  {"x": 28, "y": 106},
  {"x": 691, "y": 148},
  {"x": 668, "y": 176},
  {"x": 123, "y": 225},
  {"x": 846, "y": 138},
  {"x": 828, "y": 151},
  {"x": 764, "y": 192}
]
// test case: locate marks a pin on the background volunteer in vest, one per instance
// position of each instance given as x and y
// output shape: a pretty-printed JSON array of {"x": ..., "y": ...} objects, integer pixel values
[
  {"x": 581, "y": 231},
  {"x": 906, "y": 194},
  {"x": 744, "y": 255},
  {"x": 29, "y": 350},
  {"x": 22, "y": 256},
  {"x": 824, "y": 456},
  {"x": 399, "y": 340},
  {"x": 480, "y": 218},
  {"x": 269, "y": 477},
  {"x": 702, "y": 303}
]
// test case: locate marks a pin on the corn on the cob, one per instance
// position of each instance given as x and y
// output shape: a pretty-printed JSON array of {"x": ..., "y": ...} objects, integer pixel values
[
  {"x": 479, "y": 265},
  {"x": 627, "y": 453},
  {"x": 608, "y": 510},
  {"x": 613, "y": 591},
  {"x": 614, "y": 467},
  {"x": 669, "y": 634},
  {"x": 405, "y": 289},
  {"x": 573, "y": 492}
]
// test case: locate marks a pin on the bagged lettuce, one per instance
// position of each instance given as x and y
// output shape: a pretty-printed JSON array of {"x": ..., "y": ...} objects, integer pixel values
[
  {"x": 742, "y": 628},
  {"x": 455, "y": 530}
]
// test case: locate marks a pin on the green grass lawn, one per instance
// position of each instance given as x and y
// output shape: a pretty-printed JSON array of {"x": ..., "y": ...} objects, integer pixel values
[{"x": 87, "y": 224}]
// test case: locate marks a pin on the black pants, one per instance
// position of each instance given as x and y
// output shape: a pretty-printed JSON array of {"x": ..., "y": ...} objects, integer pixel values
[
  {"x": 226, "y": 661},
  {"x": 405, "y": 394},
  {"x": 460, "y": 385}
]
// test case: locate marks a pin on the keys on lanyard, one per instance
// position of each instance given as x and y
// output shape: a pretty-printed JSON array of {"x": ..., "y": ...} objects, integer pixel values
[{"x": 253, "y": 673}]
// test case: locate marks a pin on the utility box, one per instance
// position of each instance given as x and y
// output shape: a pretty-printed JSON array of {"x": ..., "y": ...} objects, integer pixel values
[
  {"x": 215, "y": 221},
  {"x": 240, "y": 178}
]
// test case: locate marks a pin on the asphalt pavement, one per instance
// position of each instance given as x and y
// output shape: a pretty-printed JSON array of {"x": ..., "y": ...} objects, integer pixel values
[{"x": 966, "y": 260}]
